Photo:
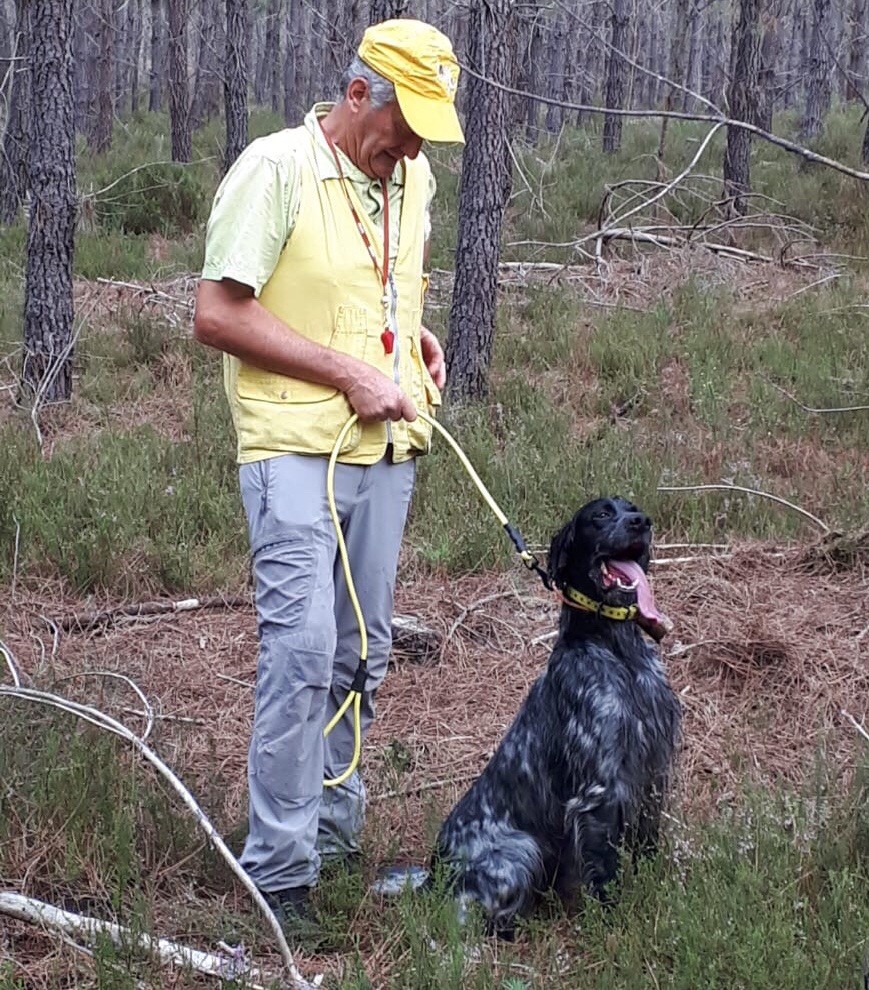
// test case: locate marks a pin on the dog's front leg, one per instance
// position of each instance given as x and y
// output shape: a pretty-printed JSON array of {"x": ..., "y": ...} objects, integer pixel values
[{"x": 594, "y": 858}]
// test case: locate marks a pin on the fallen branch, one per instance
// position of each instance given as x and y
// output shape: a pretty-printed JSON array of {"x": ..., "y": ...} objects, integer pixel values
[
  {"x": 747, "y": 491},
  {"x": 231, "y": 965},
  {"x": 84, "y": 621}
]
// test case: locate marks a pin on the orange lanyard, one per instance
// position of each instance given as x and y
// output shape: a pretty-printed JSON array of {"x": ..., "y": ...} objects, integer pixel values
[{"x": 382, "y": 271}]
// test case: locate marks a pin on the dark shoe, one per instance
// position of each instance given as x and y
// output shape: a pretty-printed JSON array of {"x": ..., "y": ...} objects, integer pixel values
[{"x": 291, "y": 905}]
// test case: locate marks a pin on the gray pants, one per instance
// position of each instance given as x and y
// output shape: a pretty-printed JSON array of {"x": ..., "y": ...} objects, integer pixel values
[{"x": 309, "y": 651}]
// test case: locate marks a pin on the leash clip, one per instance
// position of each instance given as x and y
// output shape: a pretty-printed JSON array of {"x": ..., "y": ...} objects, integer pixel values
[{"x": 528, "y": 558}]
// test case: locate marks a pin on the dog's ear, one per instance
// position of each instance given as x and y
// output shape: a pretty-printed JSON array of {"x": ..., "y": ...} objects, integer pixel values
[{"x": 560, "y": 553}]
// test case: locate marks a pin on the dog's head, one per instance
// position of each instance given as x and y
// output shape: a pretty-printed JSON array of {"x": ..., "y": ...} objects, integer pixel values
[{"x": 603, "y": 552}]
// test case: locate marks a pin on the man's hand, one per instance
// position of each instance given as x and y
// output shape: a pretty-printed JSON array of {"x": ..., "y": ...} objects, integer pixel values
[
  {"x": 433, "y": 355},
  {"x": 375, "y": 398}
]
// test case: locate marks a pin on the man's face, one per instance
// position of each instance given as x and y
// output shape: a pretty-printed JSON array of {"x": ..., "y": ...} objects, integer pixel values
[{"x": 384, "y": 139}]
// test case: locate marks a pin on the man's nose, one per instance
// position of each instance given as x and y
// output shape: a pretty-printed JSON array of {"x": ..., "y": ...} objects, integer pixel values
[{"x": 412, "y": 147}]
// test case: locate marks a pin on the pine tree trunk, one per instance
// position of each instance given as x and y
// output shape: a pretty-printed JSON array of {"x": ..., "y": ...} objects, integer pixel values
[
  {"x": 155, "y": 93},
  {"x": 675, "y": 72},
  {"x": 614, "y": 92},
  {"x": 766, "y": 77},
  {"x": 179, "y": 90},
  {"x": 13, "y": 153},
  {"x": 557, "y": 68},
  {"x": 100, "y": 138},
  {"x": 742, "y": 100},
  {"x": 135, "y": 49},
  {"x": 235, "y": 79},
  {"x": 48, "y": 307},
  {"x": 484, "y": 191},
  {"x": 207, "y": 88},
  {"x": 818, "y": 88},
  {"x": 856, "y": 48}
]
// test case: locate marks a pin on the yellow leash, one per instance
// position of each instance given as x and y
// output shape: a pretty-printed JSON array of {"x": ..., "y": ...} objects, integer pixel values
[{"x": 354, "y": 695}]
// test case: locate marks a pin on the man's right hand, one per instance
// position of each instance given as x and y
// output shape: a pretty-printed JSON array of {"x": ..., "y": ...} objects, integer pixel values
[{"x": 375, "y": 398}]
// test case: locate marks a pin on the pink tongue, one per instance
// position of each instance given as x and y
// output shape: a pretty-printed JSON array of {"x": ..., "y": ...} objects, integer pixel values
[{"x": 630, "y": 571}]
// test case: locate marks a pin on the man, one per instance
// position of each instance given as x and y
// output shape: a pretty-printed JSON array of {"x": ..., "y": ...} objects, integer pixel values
[{"x": 312, "y": 286}]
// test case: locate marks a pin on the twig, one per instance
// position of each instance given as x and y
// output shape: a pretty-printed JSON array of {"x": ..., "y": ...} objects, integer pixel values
[
  {"x": 10, "y": 663},
  {"x": 812, "y": 409},
  {"x": 235, "y": 680},
  {"x": 855, "y": 723},
  {"x": 748, "y": 491},
  {"x": 101, "y": 720},
  {"x": 15, "y": 556},
  {"x": 432, "y": 785}
]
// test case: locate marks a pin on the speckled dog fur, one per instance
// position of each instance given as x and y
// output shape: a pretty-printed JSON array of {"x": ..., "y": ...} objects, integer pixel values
[{"x": 584, "y": 767}]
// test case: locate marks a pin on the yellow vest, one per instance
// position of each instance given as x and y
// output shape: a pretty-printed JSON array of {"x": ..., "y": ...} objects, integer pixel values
[{"x": 325, "y": 287}]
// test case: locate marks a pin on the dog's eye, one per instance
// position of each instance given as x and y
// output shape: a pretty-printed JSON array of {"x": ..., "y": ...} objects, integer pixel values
[{"x": 603, "y": 514}]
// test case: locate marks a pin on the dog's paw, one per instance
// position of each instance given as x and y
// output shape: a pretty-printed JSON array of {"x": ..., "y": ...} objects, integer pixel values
[{"x": 394, "y": 880}]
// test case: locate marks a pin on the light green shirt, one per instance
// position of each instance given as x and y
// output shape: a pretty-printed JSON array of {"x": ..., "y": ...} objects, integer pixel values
[{"x": 256, "y": 204}]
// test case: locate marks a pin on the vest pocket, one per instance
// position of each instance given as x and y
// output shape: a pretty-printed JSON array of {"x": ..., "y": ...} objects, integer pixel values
[{"x": 348, "y": 335}]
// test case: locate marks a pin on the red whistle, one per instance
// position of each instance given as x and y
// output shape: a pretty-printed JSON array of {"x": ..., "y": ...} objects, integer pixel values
[{"x": 388, "y": 338}]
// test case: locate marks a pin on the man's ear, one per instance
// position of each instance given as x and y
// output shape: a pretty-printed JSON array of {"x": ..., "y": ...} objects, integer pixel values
[
  {"x": 560, "y": 553},
  {"x": 357, "y": 92}
]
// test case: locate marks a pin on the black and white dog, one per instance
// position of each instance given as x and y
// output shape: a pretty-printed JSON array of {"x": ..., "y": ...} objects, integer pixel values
[{"x": 584, "y": 767}]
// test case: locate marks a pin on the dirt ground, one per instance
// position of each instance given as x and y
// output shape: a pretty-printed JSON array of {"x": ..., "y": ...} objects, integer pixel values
[{"x": 770, "y": 647}]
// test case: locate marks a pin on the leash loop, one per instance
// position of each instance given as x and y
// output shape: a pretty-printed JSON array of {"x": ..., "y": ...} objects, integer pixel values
[{"x": 354, "y": 694}]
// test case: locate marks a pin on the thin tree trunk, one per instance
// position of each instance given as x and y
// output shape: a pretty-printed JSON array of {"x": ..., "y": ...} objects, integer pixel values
[
  {"x": 294, "y": 95},
  {"x": 614, "y": 93},
  {"x": 675, "y": 72},
  {"x": 484, "y": 191},
  {"x": 742, "y": 100},
  {"x": 207, "y": 88},
  {"x": 818, "y": 89},
  {"x": 155, "y": 93},
  {"x": 100, "y": 138},
  {"x": 856, "y": 48},
  {"x": 179, "y": 90},
  {"x": 766, "y": 77},
  {"x": 48, "y": 307},
  {"x": 557, "y": 65},
  {"x": 135, "y": 48},
  {"x": 13, "y": 154},
  {"x": 235, "y": 79}
]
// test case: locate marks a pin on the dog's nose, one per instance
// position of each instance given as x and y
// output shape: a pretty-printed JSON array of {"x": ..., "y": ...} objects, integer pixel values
[{"x": 639, "y": 521}]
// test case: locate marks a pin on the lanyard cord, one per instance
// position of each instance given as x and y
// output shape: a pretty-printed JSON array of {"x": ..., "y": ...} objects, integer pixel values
[{"x": 382, "y": 271}]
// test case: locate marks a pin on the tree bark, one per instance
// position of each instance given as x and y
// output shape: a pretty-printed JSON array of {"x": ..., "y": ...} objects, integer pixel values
[
  {"x": 614, "y": 91},
  {"x": 235, "y": 79},
  {"x": 742, "y": 100},
  {"x": 484, "y": 191},
  {"x": 100, "y": 137},
  {"x": 766, "y": 77},
  {"x": 13, "y": 154},
  {"x": 179, "y": 90},
  {"x": 675, "y": 72},
  {"x": 856, "y": 48},
  {"x": 155, "y": 93},
  {"x": 557, "y": 70},
  {"x": 48, "y": 307},
  {"x": 818, "y": 89},
  {"x": 207, "y": 88},
  {"x": 385, "y": 10}
]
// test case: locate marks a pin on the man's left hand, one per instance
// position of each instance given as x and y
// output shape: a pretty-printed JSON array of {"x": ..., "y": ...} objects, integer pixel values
[{"x": 433, "y": 355}]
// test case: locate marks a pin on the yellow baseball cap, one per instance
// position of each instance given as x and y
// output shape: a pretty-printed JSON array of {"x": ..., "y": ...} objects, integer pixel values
[{"x": 419, "y": 61}]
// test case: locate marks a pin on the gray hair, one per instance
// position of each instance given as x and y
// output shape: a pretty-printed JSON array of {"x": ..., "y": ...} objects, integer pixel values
[{"x": 382, "y": 91}]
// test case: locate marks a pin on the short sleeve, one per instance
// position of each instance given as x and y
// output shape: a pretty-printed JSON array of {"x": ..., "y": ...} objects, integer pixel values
[{"x": 254, "y": 211}]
